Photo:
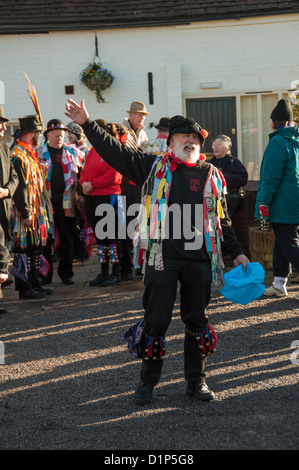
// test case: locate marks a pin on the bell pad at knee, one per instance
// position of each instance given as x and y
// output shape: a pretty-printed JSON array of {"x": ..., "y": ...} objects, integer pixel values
[
  {"x": 154, "y": 348},
  {"x": 206, "y": 340}
]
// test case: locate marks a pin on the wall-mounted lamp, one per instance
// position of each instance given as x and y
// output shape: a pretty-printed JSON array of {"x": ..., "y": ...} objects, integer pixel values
[{"x": 210, "y": 85}]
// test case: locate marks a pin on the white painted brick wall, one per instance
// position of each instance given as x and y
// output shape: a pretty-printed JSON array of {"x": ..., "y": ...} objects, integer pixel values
[
  {"x": 245, "y": 55},
  {"x": 2, "y": 92}
]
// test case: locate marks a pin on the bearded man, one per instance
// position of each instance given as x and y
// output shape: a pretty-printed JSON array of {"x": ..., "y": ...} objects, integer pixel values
[
  {"x": 33, "y": 218},
  {"x": 179, "y": 182},
  {"x": 62, "y": 164}
]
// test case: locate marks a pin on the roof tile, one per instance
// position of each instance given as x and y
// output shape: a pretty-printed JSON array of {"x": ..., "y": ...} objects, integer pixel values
[{"x": 42, "y": 16}]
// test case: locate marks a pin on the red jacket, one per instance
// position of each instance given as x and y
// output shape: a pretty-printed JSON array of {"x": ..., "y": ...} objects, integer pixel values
[{"x": 103, "y": 178}]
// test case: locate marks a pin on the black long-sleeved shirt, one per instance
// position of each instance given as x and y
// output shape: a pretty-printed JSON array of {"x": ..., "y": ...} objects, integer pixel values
[
  {"x": 234, "y": 172},
  {"x": 186, "y": 189},
  {"x": 57, "y": 177}
]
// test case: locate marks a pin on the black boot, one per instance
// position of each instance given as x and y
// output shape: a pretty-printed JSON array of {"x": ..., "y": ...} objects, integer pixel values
[
  {"x": 114, "y": 278},
  {"x": 46, "y": 291},
  {"x": 31, "y": 294},
  {"x": 200, "y": 391},
  {"x": 143, "y": 394},
  {"x": 34, "y": 273},
  {"x": 100, "y": 277},
  {"x": 27, "y": 291},
  {"x": 98, "y": 280}
]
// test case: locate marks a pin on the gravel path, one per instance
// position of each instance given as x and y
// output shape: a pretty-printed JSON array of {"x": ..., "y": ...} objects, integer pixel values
[{"x": 68, "y": 381}]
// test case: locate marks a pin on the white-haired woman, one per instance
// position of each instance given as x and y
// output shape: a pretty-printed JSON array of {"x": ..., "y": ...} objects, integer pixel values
[{"x": 234, "y": 171}]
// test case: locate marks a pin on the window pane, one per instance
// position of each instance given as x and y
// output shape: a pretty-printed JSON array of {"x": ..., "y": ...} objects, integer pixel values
[
  {"x": 250, "y": 157},
  {"x": 8, "y": 134},
  {"x": 268, "y": 104}
]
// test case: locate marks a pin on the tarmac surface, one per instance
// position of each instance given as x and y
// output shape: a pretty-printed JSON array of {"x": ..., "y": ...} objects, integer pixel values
[{"x": 67, "y": 381}]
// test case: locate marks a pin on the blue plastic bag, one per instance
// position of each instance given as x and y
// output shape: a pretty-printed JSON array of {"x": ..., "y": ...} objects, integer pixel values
[{"x": 241, "y": 286}]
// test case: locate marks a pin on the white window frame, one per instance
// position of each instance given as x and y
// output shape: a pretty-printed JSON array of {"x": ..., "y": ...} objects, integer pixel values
[{"x": 280, "y": 94}]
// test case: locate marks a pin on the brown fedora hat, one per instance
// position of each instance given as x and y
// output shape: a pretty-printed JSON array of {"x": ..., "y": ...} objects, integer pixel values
[
  {"x": 138, "y": 107},
  {"x": 2, "y": 115}
]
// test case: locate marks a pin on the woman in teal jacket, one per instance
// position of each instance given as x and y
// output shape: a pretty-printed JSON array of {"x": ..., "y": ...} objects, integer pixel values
[{"x": 278, "y": 195}]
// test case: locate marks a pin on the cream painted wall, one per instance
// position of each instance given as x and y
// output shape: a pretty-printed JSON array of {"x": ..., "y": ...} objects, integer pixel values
[
  {"x": 246, "y": 55},
  {"x": 2, "y": 93}
]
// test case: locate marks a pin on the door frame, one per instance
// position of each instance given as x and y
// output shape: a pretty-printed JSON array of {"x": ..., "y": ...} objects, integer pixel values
[
  {"x": 234, "y": 124},
  {"x": 281, "y": 93}
]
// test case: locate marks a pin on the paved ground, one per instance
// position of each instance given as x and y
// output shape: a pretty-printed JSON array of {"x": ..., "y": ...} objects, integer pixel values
[{"x": 68, "y": 381}]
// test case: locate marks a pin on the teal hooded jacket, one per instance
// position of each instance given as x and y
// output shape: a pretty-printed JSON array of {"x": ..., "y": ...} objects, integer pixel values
[{"x": 278, "y": 187}]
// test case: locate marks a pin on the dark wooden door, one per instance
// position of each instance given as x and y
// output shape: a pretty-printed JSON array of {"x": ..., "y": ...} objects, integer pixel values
[{"x": 217, "y": 116}]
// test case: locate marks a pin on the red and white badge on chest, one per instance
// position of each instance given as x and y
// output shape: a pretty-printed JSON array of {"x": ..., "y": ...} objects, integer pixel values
[{"x": 194, "y": 184}]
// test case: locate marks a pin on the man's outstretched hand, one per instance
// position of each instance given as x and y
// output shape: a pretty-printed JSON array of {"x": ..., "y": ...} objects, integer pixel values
[
  {"x": 241, "y": 259},
  {"x": 77, "y": 112}
]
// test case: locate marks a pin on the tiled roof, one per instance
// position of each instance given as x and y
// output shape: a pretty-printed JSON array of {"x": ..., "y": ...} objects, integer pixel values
[{"x": 17, "y": 16}]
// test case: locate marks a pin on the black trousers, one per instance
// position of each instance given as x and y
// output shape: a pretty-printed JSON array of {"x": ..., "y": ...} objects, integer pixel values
[
  {"x": 286, "y": 249},
  {"x": 158, "y": 301},
  {"x": 91, "y": 203},
  {"x": 66, "y": 227},
  {"x": 127, "y": 256}
]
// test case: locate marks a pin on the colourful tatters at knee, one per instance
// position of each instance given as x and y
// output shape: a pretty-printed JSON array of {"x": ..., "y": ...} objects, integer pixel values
[
  {"x": 141, "y": 345},
  {"x": 133, "y": 336}
]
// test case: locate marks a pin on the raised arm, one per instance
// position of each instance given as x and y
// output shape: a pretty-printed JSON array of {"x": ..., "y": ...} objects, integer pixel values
[
  {"x": 77, "y": 112},
  {"x": 132, "y": 163}
]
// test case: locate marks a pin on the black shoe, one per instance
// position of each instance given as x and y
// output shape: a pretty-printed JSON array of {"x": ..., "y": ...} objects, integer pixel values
[
  {"x": 98, "y": 280},
  {"x": 200, "y": 391},
  {"x": 111, "y": 281},
  {"x": 31, "y": 294},
  {"x": 127, "y": 276},
  {"x": 68, "y": 281},
  {"x": 45, "y": 281},
  {"x": 3, "y": 310},
  {"x": 6, "y": 283},
  {"x": 143, "y": 394},
  {"x": 42, "y": 289}
]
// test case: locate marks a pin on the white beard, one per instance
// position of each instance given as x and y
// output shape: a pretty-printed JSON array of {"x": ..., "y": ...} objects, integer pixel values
[{"x": 180, "y": 152}]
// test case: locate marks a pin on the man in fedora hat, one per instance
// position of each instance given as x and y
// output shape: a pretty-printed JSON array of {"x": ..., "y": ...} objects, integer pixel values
[
  {"x": 33, "y": 215},
  {"x": 8, "y": 185},
  {"x": 136, "y": 138},
  {"x": 191, "y": 255},
  {"x": 135, "y": 122},
  {"x": 62, "y": 162},
  {"x": 3, "y": 120}
]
